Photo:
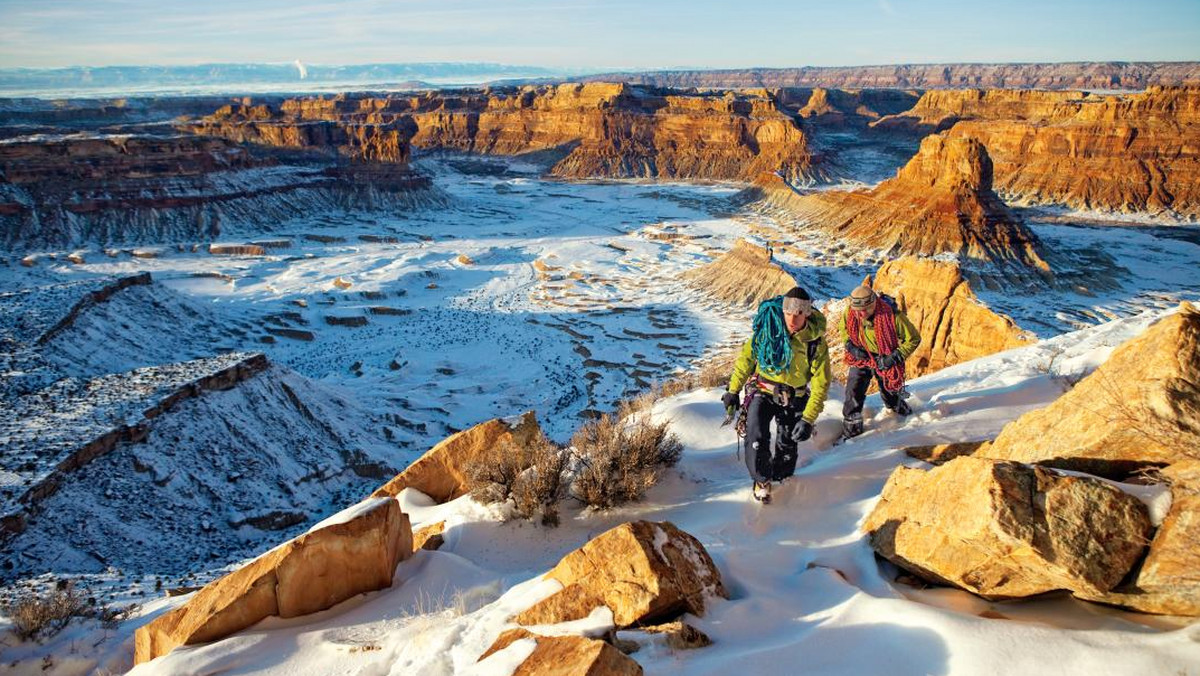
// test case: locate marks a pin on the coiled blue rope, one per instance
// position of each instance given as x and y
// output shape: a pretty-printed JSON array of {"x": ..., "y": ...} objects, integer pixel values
[{"x": 772, "y": 346}]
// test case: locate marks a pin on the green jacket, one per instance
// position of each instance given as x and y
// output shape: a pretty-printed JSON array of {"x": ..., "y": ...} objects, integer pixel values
[
  {"x": 800, "y": 372},
  {"x": 906, "y": 333}
]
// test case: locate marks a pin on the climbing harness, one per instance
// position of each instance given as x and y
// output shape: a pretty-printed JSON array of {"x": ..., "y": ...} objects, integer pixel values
[{"x": 886, "y": 341}]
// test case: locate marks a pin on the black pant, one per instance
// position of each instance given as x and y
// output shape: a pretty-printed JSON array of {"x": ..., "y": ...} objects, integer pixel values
[
  {"x": 767, "y": 463},
  {"x": 857, "y": 382}
]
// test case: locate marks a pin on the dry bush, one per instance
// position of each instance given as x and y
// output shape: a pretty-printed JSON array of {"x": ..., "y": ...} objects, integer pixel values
[
  {"x": 43, "y": 614},
  {"x": 620, "y": 459},
  {"x": 531, "y": 476}
]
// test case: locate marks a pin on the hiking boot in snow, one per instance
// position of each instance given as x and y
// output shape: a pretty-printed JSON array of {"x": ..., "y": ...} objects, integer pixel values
[
  {"x": 852, "y": 426},
  {"x": 762, "y": 492},
  {"x": 902, "y": 408}
]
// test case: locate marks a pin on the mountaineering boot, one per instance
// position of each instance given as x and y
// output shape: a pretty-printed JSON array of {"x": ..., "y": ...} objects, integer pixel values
[
  {"x": 902, "y": 408},
  {"x": 762, "y": 492},
  {"x": 852, "y": 426}
]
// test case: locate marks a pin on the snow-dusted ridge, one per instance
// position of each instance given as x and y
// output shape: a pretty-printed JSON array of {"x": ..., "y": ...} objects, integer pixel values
[{"x": 806, "y": 587}]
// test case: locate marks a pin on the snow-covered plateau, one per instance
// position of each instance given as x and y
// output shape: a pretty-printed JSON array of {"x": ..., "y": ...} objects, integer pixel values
[{"x": 383, "y": 332}]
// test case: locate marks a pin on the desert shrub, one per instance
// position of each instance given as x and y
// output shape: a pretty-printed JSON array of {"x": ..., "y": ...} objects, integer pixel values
[
  {"x": 619, "y": 459},
  {"x": 41, "y": 614},
  {"x": 531, "y": 476}
]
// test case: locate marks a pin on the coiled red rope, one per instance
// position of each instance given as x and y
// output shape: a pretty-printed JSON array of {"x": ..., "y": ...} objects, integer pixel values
[{"x": 885, "y": 339}]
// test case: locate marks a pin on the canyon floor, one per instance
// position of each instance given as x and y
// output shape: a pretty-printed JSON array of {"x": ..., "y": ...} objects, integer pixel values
[{"x": 563, "y": 298}]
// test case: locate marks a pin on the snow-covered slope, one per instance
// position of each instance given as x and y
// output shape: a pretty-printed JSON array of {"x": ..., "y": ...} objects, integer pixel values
[
  {"x": 218, "y": 478},
  {"x": 807, "y": 593}
]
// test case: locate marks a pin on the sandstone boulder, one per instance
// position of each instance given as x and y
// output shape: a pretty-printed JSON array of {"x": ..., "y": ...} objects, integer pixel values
[
  {"x": 441, "y": 473},
  {"x": 349, "y": 554},
  {"x": 567, "y": 656},
  {"x": 954, "y": 325},
  {"x": 1007, "y": 530},
  {"x": 1168, "y": 582},
  {"x": 1141, "y": 407},
  {"x": 430, "y": 537},
  {"x": 680, "y": 635},
  {"x": 745, "y": 276},
  {"x": 644, "y": 572}
]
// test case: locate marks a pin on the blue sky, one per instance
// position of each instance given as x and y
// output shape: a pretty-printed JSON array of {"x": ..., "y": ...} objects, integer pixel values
[{"x": 595, "y": 34}]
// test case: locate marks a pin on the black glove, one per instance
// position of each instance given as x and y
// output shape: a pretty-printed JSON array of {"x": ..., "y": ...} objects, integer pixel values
[
  {"x": 887, "y": 361},
  {"x": 856, "y": 351},
  {"x": 730, "y": 399},
  {"x": 802, "y": 431}
]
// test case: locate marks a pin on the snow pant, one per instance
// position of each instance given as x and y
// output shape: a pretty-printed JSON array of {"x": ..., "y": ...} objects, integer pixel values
[
  {"x": 767, "y": 462},
  {"x": 857, "y": 382}
]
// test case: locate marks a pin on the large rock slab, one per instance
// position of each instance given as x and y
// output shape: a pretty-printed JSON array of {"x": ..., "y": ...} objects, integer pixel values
[
  {"x": 1141, "y": 407},
  {"x": 1168, "y": 582},
  {"x": 644, "y": 572},
  {"x": 1007, "y": 530},
  {"x": 441, "y": 473},
  {"x": 349, "y": 554},
  {"x": 567, "y": 656}
]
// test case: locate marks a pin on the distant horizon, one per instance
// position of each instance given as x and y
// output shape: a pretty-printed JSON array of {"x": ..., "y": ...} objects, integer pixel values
[
  {"x": 597, "y": 69},
  {"x": 597, "y": 35}
]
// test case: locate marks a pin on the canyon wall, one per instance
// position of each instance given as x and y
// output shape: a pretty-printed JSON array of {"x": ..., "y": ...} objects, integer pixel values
[
  {"x": 593, "y": 130},
  {"x": 1131, "y": 154},
  {"x": 940, "y": 202},
  {"x": 1084, "y": 75},
  {"x": 110, "y": 189}
]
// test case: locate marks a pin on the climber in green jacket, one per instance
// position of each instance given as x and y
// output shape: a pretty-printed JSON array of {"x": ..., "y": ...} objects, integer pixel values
[
  {"x": 878, "y": 337},
  {"x": 784, "y": 367}
]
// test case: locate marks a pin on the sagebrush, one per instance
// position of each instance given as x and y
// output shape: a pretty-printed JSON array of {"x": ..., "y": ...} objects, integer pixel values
[
  {"x": 41, "y": 614},
  {"x": 530, "y": 475},
  {"x": 620, "y": 459}
]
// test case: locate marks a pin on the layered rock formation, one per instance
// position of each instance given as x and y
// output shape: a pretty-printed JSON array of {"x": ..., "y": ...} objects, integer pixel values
[
  {"x": 840, "y": 107},
  {"x": 1133, "y": 153},
  {"x": 644, "y": 572},
  {"x": 939, "y": 110},
  {"x": 1085, "y": 75},
  {"x": 1140, "y": 408},
  {"x": 1007, "y": 530},
  {"x": 74, "y": 190},
  {"x": 940, "y": 202},
  {"x": 347, "y": 555},
  {"x": 954, "y": 325},
  {"x": 745, "y": 276},
  {"x": 594, "y": 130}
]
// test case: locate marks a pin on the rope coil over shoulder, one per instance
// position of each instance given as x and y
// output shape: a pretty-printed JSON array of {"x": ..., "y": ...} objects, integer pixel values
[
  {"x": 772, "y": 348},
  {"x": 886, "y": 341}
]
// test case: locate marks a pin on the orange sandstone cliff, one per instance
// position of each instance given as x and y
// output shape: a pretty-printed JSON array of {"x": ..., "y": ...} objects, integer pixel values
[
  {"x": 1138, "y": 153},
  {"x": 593, "y": 130},
  {"x": 940, "y": 202}
]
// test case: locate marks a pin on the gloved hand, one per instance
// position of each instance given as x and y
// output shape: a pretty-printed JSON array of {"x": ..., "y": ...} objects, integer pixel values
[
  {"x": 856, "y": 351},
  {"x": 730, "y": 400},
  {"x": 887, "y": 361},
  {"x": 802, "y": 431}
]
